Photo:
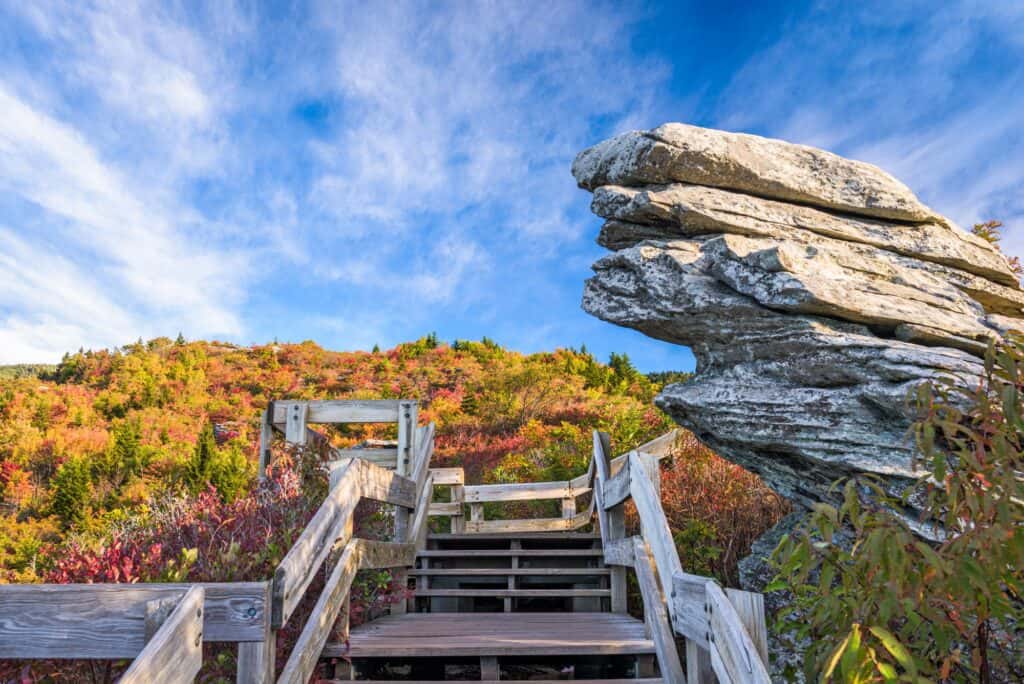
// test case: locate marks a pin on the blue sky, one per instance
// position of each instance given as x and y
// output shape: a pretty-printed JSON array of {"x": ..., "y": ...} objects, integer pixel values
[{"x": 361, "y": 173}]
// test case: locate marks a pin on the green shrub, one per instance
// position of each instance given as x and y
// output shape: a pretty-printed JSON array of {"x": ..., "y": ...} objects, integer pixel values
[
  {"x": 71, "y": 491},
  {"x": 876, "y": 601}
]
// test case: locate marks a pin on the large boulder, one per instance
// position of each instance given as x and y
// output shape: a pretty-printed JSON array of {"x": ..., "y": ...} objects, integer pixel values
[{"x": 815, "y": 292}]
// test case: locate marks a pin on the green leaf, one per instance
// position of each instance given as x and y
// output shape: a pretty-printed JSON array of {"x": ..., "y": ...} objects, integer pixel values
[
  {"x": 895, "y": 648},
  {"x": 837, "y": 653}
]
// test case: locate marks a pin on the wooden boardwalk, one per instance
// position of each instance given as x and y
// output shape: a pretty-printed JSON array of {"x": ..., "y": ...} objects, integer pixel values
[{"x": 495, "y": 592}]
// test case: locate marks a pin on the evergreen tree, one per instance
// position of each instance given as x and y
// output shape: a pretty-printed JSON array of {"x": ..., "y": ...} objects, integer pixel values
[
  {"x": 197, "y": 473},
  {"x": 230, "y": 473},
  {"x": 180, "y": 341},
  {"x": 125, "y": 456},
  {"x": 71, "y": 491}
]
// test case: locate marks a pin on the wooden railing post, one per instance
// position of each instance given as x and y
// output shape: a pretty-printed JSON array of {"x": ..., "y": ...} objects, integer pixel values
[
  {"x": 613, "y": 520},
  {"x": 459, "y": 498},
  {"x": 266, "y": 439},
  {"x": 295, "y": 423},
  {"x": 406, "y": 449}
]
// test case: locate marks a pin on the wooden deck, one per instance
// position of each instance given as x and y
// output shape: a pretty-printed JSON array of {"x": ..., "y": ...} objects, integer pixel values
[{"x": 417, "y": 635}]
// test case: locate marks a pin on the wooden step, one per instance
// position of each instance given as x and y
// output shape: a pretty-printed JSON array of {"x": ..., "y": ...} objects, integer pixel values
[
  {"x": 452, "y": 635},
  {"x": 507, "y": 553},
  {"x": 503, "y": 681},
  {"x": 513, "y": 593},
  {"x": 507, "y": 536},
  {"x": 501, "y": 572}
]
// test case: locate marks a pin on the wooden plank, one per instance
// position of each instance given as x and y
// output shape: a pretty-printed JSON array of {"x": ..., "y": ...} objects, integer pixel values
[
  {"x": 652, "y": 466},
  {"x": 523, "y": 525},
  {"x": 581, "y": 519},
  {"x": 421, "y": 523},
  {"x": 655, "y": 527},
  {"x": 476, "y": 513},
  {"x": 603, "y": 475},
  {"x": 616, "y": 489},
  {"x": 660, "y": 447},
  {"x": 499, "y": 592},
  {"x": 689, "y": 607},
  {"x": 381, "y": 484},
  {"x": 497, "y": 634},
  {"x": 505, "y": 553},
  {"x": 306, "y": 653},
  {"x": 256, "y": 662},
  {"x": 300, "y": 565},
  {"x": 501, "y": 572},
  {"x": 698, "y": 665},
  {"x": 378, "y": 554},
  {"x": 453, "y": 508},
  {"x": 641, "y": 680},
  {"x": 266, "y": 440},
  {"x": 656, "y": 616},
  {"x": 521, "y": 491},
  {"x": 423, "y": 453},
  {"x": 343, "y": 411},
  {"x": 407, "y": 411},
  {"x": 386, "y": 457},
  {"x": 734, "y": 655},
  {"x": 459, "y": 498},
  {"x": 157, "y": 612},
  {"x": 295, "y": 422},
  {"x": 750, "y": 607},
  {"x": 448, "y": 476},
  {"x": 107, "y": 621},
  {"x": 620, "y": 552},
  {"x": 569, "y": 508},
  {"x": 175, "y": 653}
]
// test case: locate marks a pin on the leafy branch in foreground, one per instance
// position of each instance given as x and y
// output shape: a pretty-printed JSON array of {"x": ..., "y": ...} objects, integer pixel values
[{"x": 873, "y": 600}]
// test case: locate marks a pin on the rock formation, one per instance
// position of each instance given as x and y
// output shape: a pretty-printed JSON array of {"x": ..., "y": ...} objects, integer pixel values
[{"x": 815, "y": 292}]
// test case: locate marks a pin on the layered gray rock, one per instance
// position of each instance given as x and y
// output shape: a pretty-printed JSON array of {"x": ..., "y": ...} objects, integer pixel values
[
  {"x": 748, "y": 163},
  {"x": 815, "y": 291}
]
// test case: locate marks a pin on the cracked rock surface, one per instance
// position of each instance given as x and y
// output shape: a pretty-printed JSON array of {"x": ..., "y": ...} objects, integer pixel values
[{"x": 815, "y": 292}]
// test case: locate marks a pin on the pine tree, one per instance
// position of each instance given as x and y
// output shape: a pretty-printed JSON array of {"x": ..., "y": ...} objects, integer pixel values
[
  {"x": 197, "y": 473},
  {"x": 71, "y": 491},
  {"x": 180, "y": 341}
]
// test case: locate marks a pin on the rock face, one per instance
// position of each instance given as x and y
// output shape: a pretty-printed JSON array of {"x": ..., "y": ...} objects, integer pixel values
[{"x": 815, "y": 292}]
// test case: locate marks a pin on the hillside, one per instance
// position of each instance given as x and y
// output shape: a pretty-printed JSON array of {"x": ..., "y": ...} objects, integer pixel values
[{"x": 138, "y": 463}]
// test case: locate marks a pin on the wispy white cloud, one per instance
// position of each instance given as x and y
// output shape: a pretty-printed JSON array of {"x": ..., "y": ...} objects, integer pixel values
[
  {"x": 931, "y": 93},
  {"x": 115, "y": 249}
]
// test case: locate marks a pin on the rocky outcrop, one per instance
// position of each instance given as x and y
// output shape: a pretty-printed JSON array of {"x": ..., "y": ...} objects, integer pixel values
[{"x": 815, "y": 291}]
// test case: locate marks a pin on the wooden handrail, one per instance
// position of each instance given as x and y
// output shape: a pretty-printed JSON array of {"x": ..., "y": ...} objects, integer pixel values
[
  {"x": 330, "y": 530},
  {"x": 112, "y": 621},
  {"x": 175, "y": 653},
  {"x": 697, "y": 607}
]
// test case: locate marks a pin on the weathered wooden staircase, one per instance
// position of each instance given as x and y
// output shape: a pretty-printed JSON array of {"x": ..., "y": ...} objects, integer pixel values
[
  {"x": 492, "y": 600},
  {"x": 505, "y": 604}
]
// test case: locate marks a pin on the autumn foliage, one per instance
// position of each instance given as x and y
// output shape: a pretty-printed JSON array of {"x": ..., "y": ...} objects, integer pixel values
[{"x": 138, "y": 464}]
